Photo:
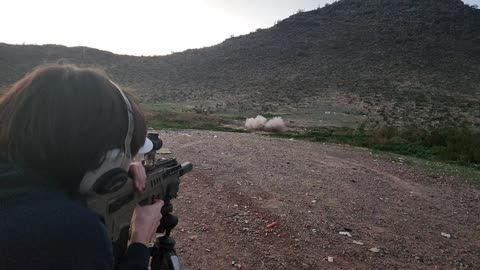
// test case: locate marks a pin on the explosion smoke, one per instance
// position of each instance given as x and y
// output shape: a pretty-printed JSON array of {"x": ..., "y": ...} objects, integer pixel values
[
  {"x": 275, "y": 124},
  {"x": 257, "y": 123}
]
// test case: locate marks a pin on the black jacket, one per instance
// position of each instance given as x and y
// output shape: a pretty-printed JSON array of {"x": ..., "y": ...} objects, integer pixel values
[{"x": 41, "y": 228}]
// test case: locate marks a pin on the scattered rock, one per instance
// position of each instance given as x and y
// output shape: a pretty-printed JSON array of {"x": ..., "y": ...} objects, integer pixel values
[
  {"x": 305, "y": 265},
  {"x": 271, "y": 225},
  {"x": 330, "y": 259},
  {"x": 193, "y": 237},
  {"x": 446, "y": 235},
  {"x": 227, "y": 234},
  {"x": 236, "y": 264},
  {"x": 345, "y": 233}
]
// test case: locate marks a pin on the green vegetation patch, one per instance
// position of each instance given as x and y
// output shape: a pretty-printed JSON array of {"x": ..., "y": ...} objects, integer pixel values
[
  {"x": 273, "y": 114},
  {"x": 470, "y": 173},
  {"x": 446, "y": 142},
  {"x": 168, "y": 116}
]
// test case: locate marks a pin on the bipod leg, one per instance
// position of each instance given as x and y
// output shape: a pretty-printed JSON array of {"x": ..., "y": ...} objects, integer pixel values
[{"x": 164, "y": 256}]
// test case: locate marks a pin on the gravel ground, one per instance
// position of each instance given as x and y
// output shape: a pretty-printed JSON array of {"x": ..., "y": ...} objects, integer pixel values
[{"x": 391, "y": 215}]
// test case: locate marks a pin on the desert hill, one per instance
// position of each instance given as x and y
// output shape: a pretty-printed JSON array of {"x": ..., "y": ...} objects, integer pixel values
[{"x": 395, "y": 60}]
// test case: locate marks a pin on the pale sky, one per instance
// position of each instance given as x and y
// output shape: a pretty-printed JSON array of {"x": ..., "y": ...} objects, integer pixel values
[{"x": 141, "y": 27}]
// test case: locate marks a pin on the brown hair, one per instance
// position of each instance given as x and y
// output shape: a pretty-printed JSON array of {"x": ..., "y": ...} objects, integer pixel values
[{"x": 60, "y": 120}]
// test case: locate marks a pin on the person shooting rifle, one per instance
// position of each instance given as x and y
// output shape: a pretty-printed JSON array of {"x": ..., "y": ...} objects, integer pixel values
[{"x": 68, "y": 179}]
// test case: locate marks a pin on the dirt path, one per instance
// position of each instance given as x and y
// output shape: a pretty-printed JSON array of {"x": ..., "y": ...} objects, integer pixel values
[{"x": 242, "y": 182}]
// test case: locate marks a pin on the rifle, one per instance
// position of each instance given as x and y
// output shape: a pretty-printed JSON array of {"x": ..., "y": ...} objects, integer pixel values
[{"x": 116, "y": 207}]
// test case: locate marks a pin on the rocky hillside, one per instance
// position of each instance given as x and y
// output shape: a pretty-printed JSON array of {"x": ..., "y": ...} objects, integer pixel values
[{"x": 393, "y": 60}]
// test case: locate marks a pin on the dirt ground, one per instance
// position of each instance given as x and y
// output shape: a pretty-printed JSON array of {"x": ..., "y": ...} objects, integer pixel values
[{"x": 242, "y": 183}]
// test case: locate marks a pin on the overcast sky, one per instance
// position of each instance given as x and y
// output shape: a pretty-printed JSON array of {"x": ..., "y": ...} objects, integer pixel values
[{"x": 141, "y": 27}]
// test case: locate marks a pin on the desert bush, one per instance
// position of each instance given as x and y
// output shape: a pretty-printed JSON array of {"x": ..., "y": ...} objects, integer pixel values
[
  {"x": 453, "y": 142},
  {"x": 446, "y": 141}
]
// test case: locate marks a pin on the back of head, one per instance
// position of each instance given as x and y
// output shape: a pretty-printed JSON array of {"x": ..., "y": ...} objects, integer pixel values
[{"x": 60, "y": 121}]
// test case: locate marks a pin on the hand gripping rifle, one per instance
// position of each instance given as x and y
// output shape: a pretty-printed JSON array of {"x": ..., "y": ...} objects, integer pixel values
[{"x": 117, "y": 205}]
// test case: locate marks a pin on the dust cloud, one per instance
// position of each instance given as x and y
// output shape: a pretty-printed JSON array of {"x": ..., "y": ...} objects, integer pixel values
[
  {"x": 275, "y": 124},
  {"x": 257, "y": 123}
]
